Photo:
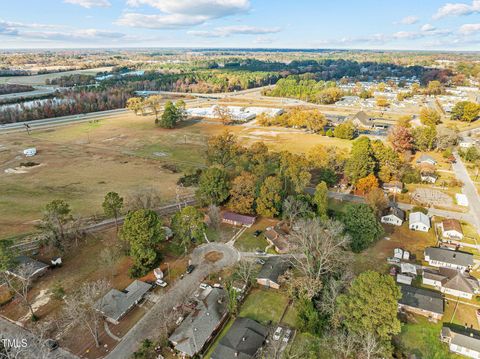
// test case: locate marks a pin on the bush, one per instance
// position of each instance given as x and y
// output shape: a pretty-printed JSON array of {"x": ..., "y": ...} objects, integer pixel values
[
  {"x": 58, "y": 292},
  {"x": 190, "y": 179},
  {"x": 420, "y": 209}
]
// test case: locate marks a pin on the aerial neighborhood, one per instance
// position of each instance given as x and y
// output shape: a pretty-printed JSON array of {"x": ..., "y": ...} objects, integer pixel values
[{"x": 203, "y": 200}]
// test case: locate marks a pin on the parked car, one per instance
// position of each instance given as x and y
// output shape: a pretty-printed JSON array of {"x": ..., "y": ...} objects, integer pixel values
[
  {"x": 51, "y": 344},
  {"x": 278, "y": 333},
  {"x": 288, "y": 334},
  {"x": 260, "y": 252},
  {"x": 161, "y": 283},
  {"x": 260, "y": 261},
  {"x": 179, "y": 320},
  {"x": 204, "y": 286},
  {"x": 152, "y": 283},
  {"x": 257, "y": 233},
  {"x": 392, "y": 260},
  {"x": 190, "y": 268}
]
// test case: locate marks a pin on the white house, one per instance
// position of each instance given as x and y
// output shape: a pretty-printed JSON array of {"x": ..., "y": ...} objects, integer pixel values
[
  {"x": 30, "y": 152},
  {"x": 418, "y": 221},
  {"x": 452, "y": 282},
  {"x": 462, "y": 341},
  {"x": 394, "y": 216},
  {"x": 446, "y": 258},
  {"x": 393, "y": 187},
  {"x": 428, "y": 177},
  {"x": 451, "y": 229},
  {"x": 426, "y": 159},
  {"x": 462, "y": 200}
]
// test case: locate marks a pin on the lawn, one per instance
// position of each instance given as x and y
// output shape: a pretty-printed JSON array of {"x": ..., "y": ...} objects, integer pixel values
[
  {"x": 247, "y": 242},
  {"x": 265, "y": 306}
]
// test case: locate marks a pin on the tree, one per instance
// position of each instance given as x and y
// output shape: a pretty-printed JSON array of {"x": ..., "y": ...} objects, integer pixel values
[
  {"x": 269, "y": 201},
  {"x": 446, "y": 137},
  {"x": 401, "y": 139},
  {"x": 135, "y": 104},
  {"x": 223, "y": 114},
  {"x": 56, "y": 218},
  {"x": 112, "y": 206},
  {"x": 345, "y": 131},
  {"x": 154, "y": 103},
  {"x": 81, "y": 307},
  {"x": 366, "y": 184},
  {"x": 361, "y": 162},
  {"x": 382, "y": 101},
  {"x": 170, "y": 115},
  {"x": 429, "y": 117},
  {"x": 242, "y": 193},
  {"x": 377, "y": 200},
  {"x": 296, "y": 207},
  {"x": 143, "y": 231},
  {"x": 424, "y": 137},
  {"x": 361, "y": 223},
  {"x": 434, "y": 88},
  {"x": 188, "y": 225},
  {"x": 214, "y": 216},
  {"x": 465, "y": 111},
  {"x": 370, "y": 306},
  {"x": 246, "y": 271},
  {"x": 222, "y": 149},
  {"x": 108, "y": 258},
  {"x": 213, "y": 186},
  {"x": 320, "y": 199},
  {"x": 295, "y": 172}
]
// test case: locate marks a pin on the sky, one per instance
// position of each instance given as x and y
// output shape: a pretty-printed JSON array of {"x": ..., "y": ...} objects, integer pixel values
[{"x": 344, "y": 24}]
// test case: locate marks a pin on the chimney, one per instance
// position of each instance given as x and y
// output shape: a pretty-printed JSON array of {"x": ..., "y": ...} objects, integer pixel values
[{"x": 236, "y": 354}]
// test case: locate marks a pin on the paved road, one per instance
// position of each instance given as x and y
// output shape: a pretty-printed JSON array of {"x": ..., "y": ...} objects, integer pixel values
[
  {"x": 468, "y": 189},
  {"x": 34, "y": 348},
  {"x": 39, "y": 91},
  {"x": 147, "y": 327}
]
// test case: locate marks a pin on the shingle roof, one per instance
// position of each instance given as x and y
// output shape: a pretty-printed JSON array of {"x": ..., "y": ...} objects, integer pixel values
[
  {"x": 32, "y": 266},
  {"x": 448, "y": 256},
  {"x": 421, "y": 298},
  {"x": 465, "y": 338},
  {"x": 115, "y": 303},
  {"x": 242, "y": 340},
  {"x": 278, "y": 238},
  {"x": 419, "y": 217},
  {"x": 395, "y": 211},
  {"x": 363, "y": 118},
  {"x": 241, "y": 218},
  {"x": 426, "y": 158},
  {"x": 273, "y": 268},
  {"x": 191, "y": 336},
  {"x": 452, "y": 225}
]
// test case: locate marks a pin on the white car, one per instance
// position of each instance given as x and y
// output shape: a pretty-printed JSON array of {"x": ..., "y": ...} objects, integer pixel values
[
  {"x": 288, "y": 334},
  {"x": 161, "y": 283},
  {"x": 204, "y": 286},
  {"x": 278, "y": 333}
]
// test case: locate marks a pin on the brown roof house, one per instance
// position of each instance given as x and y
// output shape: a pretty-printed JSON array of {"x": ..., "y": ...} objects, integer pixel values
[
  {"x": 451, "y": 229},
  {"x": 277, "y": 236},
  {"x": 238, "y": 219},
  {"x": 451, "y": 281}
]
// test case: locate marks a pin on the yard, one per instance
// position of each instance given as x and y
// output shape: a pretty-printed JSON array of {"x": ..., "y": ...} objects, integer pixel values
[
  {"x": 264, "y": 305},
  {"x": 247, "y": 242}
]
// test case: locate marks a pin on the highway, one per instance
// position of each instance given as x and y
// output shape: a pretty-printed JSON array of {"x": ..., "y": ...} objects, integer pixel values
[{"x": 38, "y": 92}]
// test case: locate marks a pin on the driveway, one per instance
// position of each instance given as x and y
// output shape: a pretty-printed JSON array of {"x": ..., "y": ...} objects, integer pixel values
[
  {"x": 468, "y": 190},
  {"x": 34, "y": 348},
  {"x": 147, "y": 327}
]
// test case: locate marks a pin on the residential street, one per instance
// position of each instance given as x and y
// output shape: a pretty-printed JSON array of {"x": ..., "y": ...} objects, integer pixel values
[
  {"x": 34, "y": 349},
  {"x": 468, "y": 189},
  {"x": 147, "y": 327}
]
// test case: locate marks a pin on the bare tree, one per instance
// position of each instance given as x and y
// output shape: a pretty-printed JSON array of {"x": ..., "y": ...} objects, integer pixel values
[
  {"x": 81, "y": 307},
  {"x": 343, "y": 344},
  {"x": 370, "y": 347},
  {"x": 293, "y": 209},
  {"x": 19, "y": 281},
  {"x": 246, "y": 271},
  {"x": 320, "y": 250},
  {"x": 108, "y": 258},
  {"x": 332, "y": 289},
  {"x": 214, "y": 215},
  {"x": 146, "y": 198},
  {"x": 223, "y": 114}
]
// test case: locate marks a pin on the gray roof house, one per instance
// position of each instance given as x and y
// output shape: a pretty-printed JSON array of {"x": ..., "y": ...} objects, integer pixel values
[
  {"x": 243, "y": 340},
  {"x": 115, "y": 304},
  {"x": 462, "y": 341},
  {"x": 446, "y": 258},
  {"x": 361, "y": 119},
  {"x": 452, "y": 281},
  {"x": 273, "y": 268},
  {"x": 200, "y": 325},
  {"x": 421, "y": 301},
  {"x": 427, "y": 159},
  {"x": 32, "y": 268},
  {"x": 418, "y": 221}
]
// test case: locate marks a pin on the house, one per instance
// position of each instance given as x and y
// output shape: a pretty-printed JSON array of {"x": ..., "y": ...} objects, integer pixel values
[
  {"x": 462, "y": 200},
  {"x": 238, "y": 219},
  {"x": 278, "y": 238},
  {"x": 428, "y": 177},
  {"x": 115, "y": 304},
  {"x": 393, "y": 187},
  {"x": 27, "y": 268},
  {"x": 243, "y": 340},
  {"x": 452, "y": 229},
  {"x": 446, "y": 258},
  {"x": 461, "y": 340},
  {"x": 361, "y": 119},
  {"x": 418, "y": 221},
  {"x": 422, "y": 302},
  {"x": 393, "y": 215},
  {"x": 452, "y": 281},
  {"x": 466, "y": 142},
  {"x": 201, "y": 325},
  {"x": 426, "y": 159},
  {"x": 273, "y": 268},
  {"x": 404, "y": 279}
]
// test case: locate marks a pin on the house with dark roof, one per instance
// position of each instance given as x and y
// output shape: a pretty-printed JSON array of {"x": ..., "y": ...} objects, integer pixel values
[
  {"x": 201, "y": 325},
  {"x": 451, "y": 229},
  {"x": 452, "y": 281},
  {"x": 422, "y": 302},
  {"x": 243, "y": 340},
  {"x": 361, "y": 119},
  {"x": 446, "y": 258},
  {"x": 393, "y": 215},
  {"x": 273, "y": 268},
  {"x": 461, "y": 340},
  {"x": 236, "y": 219},
  {"x": 27, "y": 268},
  {"x": 115, "y": 304}
]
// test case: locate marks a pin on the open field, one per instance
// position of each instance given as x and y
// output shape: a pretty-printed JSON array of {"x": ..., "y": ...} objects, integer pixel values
[
  {"x": 265, "y": 306},
  {"x": 40, "y": 79}
]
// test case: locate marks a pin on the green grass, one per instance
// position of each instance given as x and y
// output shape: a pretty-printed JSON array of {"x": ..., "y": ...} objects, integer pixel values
[
  {"x": 336, "y": 205},
  {"x": 291, "y": 317},
  {"x": 264, "y": 306},
  {"x": 249, "y": 243},
  {"x": 422, "y": 340}
]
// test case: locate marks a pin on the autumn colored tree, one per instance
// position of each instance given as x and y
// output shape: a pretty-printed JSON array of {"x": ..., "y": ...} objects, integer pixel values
[
  {"x": 367, "y": 184},
  {"x": 429, "y": 117},
  {"x": 377, "y": 200},
  {"x": 222, "y": 149},
  {"x": 320, "y": 199},
  {"x": 242, "y": 193},
  {"x": 424, "y": 137},
  {"x": 295, "y": 172},
  {"x": 269, "y": 201},
  {"x": 382, "y": 101},
  {"x": 401, "y": 139},
  {"x": 135, "y": 104}
]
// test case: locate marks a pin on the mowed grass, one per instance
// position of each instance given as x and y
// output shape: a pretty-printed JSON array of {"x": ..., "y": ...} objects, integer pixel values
[
  {"x": 264, "y": 306},
  {"x": 247, "y": 242}
]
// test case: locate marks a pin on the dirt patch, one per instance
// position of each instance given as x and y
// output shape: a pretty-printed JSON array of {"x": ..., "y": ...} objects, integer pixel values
[
  {"x": 427, "y": 196},
  {"x": 213, "y": 256}
]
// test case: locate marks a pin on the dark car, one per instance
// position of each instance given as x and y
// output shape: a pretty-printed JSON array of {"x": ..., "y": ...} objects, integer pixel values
[
  {"x": 190, "y": 268},
  {"x": 51, "y": 344},
  {"x": 257, "y": 233}
]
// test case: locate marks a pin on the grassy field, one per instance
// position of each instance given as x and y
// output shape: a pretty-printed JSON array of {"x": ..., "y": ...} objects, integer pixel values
[
  {"x": 247, "y": 242},
  {"x": 264, "y": 306}
]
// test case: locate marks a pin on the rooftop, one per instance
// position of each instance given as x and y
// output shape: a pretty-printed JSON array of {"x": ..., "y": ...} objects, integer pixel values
[
  {"x": 421, "y": 298},
  {"x": 273, "y": 268},
  {"x": 448, "y": 256}
]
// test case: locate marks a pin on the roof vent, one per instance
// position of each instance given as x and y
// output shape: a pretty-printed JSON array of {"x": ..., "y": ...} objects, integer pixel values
[
  {"x": 195, "y": 329},
  {"x": 236, "y": 354},
  {"x": 244, "y": 338},
  {"x": 208, "y": 313},
  {"x": 471, "y": 334}
]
